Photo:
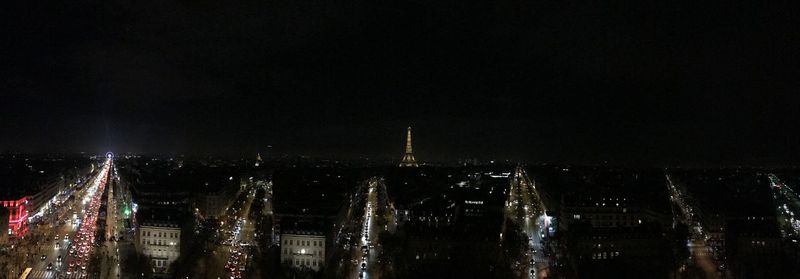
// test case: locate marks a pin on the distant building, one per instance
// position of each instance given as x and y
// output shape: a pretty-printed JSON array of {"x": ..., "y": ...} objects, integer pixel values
[
  {"x": 43, "y": 199},
  {"x": 629, "y": 251},
  {"x": 211, "y": 205},
  {"x": 754, "y": 247},
  {"x": 25, "y": 207},
  {"x": 609, "y": 223},
  {"x": 159, "y": 238},
  {"x": 408, "y": 157},
  {"x": 309, "y": 193},
  {"x": 303, "y": 249},
  {"x": 29, "y": 187},
  {"x": 605, "y": 212},
  {"x": 715, "y": 229},
  {"x": 213, "y": 196},
  {"x": 453, "y": 233}
]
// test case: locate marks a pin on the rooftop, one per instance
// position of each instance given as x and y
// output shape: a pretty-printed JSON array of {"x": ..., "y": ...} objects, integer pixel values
[
  {"x": 25, "y": 175},
  {"x": 161, "y": 217}
]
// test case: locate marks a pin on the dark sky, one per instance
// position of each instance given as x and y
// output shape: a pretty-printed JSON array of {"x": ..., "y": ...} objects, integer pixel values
[{"x": 648, "y": 82}]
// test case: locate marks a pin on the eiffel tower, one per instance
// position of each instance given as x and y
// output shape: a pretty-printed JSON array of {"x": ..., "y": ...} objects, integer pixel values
[{"x": 408, "y": 157}]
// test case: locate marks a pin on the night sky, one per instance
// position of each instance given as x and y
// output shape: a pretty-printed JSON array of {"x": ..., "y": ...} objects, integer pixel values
[{"x": 629, "y": 82}]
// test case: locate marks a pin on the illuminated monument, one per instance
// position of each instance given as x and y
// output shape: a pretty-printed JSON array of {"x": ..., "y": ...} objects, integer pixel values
[{"x": 408, "y": 157}]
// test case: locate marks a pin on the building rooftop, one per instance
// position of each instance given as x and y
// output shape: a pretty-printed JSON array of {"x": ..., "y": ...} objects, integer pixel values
[
  {"x": 161, "y": 217},
  {"x": 731, "y": 192},
  {"x": 304, "y": 226},
  {"x": 312, "y": 191},
  {"x": 25, "y": 175}
]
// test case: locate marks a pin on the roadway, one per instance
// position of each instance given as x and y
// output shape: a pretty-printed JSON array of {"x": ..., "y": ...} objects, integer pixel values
[
  {"x": 48, "y": 256},
  {"x": 56, "y": 221},
  {"x": 525, "y": 207},
  {"x": 82, "y": 243},
  {"x": 242, "y": 230},
  {"x": 701, "y": 255},
  {"x": 788, "y": 209},
  {"x": 226, "y": 251},
  {"x": 365, "y": 254}
]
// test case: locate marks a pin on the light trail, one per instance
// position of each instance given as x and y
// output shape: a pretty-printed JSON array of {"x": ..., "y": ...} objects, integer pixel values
[{"x": 83, "y": 240}]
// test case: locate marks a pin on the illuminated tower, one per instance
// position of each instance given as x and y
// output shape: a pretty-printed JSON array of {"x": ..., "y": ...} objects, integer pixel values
[
  {"x": 408, "y": 157},
  {"x": 258, "y": 159}
]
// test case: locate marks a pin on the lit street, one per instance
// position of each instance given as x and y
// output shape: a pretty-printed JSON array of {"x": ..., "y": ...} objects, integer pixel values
[
  {"x": 228, "y": 253},
  {"x": 701, "y": 254},
  {"x": 365, "y": 251},
  {"x": 52, "y": 246},
  {"x": 525, "y": 207},
  {"x": 82, "y": 244}
]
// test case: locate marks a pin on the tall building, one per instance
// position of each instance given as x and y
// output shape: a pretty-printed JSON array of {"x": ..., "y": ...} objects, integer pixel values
[{"x": 408, "y": 157}]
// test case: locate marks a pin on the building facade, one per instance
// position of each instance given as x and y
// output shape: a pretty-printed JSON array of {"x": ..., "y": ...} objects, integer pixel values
[
  {"x": 211, "y": 205},
  {"x": 303, "y": 249},
  {"x": 160, "y": 242},
  {"x": 606, "y": 212},
  {"x": 17, "y": 216}
]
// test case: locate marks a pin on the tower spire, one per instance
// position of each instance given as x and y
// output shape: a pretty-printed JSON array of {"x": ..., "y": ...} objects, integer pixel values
[
  {"x": 408, "y": 157},
  {"x": 408, "y": 141}
]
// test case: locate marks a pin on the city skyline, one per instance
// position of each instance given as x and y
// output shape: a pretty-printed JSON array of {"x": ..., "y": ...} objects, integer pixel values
[
  {"x": 690, "y": 83},
  {"x": 311, "y": 139},
  {"x": 316, "y": 220}
]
